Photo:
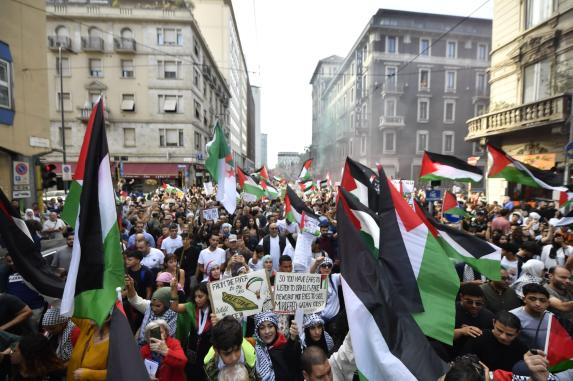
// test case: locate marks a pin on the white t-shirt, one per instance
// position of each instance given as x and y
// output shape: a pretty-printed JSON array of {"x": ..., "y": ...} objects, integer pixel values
[
  {"x": 275, "y": 250},
  {"x": 206, "y": 256},
  {"x": 54, "y": 225},
  {"x": 560, "y": 258},
  {"x": 171, "y": 244},
  {"x": 511, "y": 267},
  {"x": 290, "y": 228},
  {"x": 153, "y": 260}
]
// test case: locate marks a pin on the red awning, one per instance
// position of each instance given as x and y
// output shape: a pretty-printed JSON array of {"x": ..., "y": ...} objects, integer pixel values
[{"x": 148, "y": 170}]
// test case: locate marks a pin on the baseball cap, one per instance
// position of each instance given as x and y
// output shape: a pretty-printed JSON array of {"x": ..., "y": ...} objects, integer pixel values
[{"x": 232, "y": 238}]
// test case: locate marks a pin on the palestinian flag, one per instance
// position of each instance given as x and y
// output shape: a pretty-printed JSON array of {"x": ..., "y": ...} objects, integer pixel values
[
  {"x": 566, "y": 220},
  {"x": 410, "y": 251},
  {"x": 220, "y": 165},
  {"x": 294, "y": 207},
  {"x": 481, "y": 255},
  {"x": 450, "y": 205},
  {"x": 322, "y": 184},
  {"x": 361, "y": 182},
  {"x": 171, "y": 190},
  {"x": 248, "y": 185},
  {"x": 444, "y": 167},
  {"x": 28, "y": 260},
  {"x": 262, "y": 173},
  {"x": 565, "y": 199},
  {"x": 271, "y": 192},
  {"x": 96, "y": 268},
  {"x": 501, "y": 165},
  {"x": 559, "y": 344},
  {"x": 124, "y": 360},
  {"x": 306, "y": 186},
  {"x": 387, "y": 343},
  {"x": 305, "y": 171}
]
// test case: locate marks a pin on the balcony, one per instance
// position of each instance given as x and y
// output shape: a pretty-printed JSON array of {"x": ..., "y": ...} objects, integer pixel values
[
  {"x": 393, "y": 88},
  {"x": 124, "y": 45},
  {"x": 391, "y": 121},
  {"x": 92, "y": 44},
  {"x": 86, "y": 111},
  {"x": 542, "y": 113},
  {"x": 54, "y": 42}
]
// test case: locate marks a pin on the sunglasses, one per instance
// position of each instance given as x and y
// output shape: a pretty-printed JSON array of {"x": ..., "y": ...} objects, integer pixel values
[{"x": 326, "y": 265}]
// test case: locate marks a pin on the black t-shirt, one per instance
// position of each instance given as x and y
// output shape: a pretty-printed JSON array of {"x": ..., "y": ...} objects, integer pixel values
[
  {"x": 142, "y": 279},
  {"x": 10, "y": 305},
  {"x": 483, "y": 321},
  {"x": 189, "y": 258},
  {"x": 494, "y": 354}
]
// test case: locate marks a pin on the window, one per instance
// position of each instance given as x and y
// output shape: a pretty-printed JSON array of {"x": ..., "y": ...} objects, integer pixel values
[
  {"x": 477, "y": 149},
  {"x": 390, "y": 107},
  {"x": 170, "y": 137},
  {"x": 449, "y": 111},
  {"x": 65, "y": 66},
  {"x": 450, "y": 81},
  {"x": 425, "y": 47},
  {"x": 364, "y": 112},
  {"x": 423, "y": 109},
  {"x": 392, "y": 44},
  {"x": 127, "y": 69},
  {"x": 536, "y": 82},
  {"x": 196, "y": 79},
  {"x": 480, "y": 109},
  {"x": 350, "y": 147},
  {"x": 96, "y": 69},
  {"x": 197, "y": 107},
  {"x": 391, "y": 77},
  {"x": 482, "y": 52},
  {"x": 67, "y": 101},
  {"x": 480, "y": 84},
  {"x": 68, "y": 137},
  {"x": 169, "y": 36},
  {"x": 389, "y": 144},
  {"x": 451, "y": 49},
  {"x": 129, "y": 137},
  {"x": 126, "y": 34},
  {"x": 448, "y": 142},
  {"x": 5, "y": 85},
  {"x": 196, "y": 48},
  {"x": 424, "y": 80},
  {"x": 127, "y": 102},
  {"x": 537, "y": 11},
  {"x": 197, "y": 141},
  {"x": 422, "y": 141},
  {"x": 363, "y": 144},
  {"x": 170, "y": 103},
  {"x": 93, "y": 97},
  {"x": 170, "y": 70}
]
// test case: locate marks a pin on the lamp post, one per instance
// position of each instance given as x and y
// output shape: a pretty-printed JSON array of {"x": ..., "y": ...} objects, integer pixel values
[{"x": 63, "y": 132}]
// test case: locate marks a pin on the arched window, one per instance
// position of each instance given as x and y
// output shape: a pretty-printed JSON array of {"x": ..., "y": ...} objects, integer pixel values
[
  {"x": 126, "y": 34},
  {"x": 94, "y": 32},
  {"x": 62, "y": 31}
]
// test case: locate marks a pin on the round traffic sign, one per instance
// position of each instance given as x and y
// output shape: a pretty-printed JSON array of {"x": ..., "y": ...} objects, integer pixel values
[{"x": 21, "y": 169}]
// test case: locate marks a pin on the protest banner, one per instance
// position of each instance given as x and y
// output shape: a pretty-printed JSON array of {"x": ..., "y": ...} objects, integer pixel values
[
  {"x": 211, "y": 214},
  {"x": 303, "y": 291},
  {"x": 303, "y": 248},
  {"x": 242, "y": 295}
]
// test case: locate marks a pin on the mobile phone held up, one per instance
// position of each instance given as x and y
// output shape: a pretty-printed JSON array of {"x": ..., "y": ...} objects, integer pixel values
[{"x": 155, "y": 333}]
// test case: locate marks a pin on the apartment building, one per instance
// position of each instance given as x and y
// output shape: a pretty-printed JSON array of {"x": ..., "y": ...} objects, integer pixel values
[
  {"x": 531, "y": 82},
  {"x": 161, "y": 85},
  {"x": 408, "y": 85}
]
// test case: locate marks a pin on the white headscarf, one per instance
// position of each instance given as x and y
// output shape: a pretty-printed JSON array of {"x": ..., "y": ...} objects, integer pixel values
[{"x": 531, "y": 272}]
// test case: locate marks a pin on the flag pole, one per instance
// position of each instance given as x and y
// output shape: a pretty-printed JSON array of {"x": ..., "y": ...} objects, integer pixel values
[{"x": 119, "y": 298}]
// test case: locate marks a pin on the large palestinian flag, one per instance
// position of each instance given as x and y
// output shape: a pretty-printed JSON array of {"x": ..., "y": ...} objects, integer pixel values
[
  {"x": 361, "y": 182},
  {"x": 28, "y": 260},
  {"x": 294, "y": 207},
  {"x": 305, "y": 171},
  {"x": 96, "y": 268},
  {"x": 220, "y": 165},
  {"x": 387, "y": 343},
  {"x": 501, "y": 165},
  {"x": 271, "y": 192},
  {"x": 445, "y": 167},
  {"x": 248, "y": 185},
  {"x": 481, "y": 255},
  {"x": 559, "y": 344}
]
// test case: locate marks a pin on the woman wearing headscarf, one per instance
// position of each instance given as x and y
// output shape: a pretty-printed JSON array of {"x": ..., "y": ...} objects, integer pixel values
[
  {"x": 531, "y": 272},
  {"x": 213, "y": 271},
  {"x": 165, "y": 351},
  {"x": 59, "y": 330},
  {"x": 156, "y": 308},
  {"x": 314, "y": 334},
  {"x": 268, "y": 266},
  {"x": 278, "y": 358}
]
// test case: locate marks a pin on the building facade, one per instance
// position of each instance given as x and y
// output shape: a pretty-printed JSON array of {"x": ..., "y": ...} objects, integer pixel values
[
  {"x": 531, "y": 83},
  {"x": 408, "y": 85},
  {"x": 217, "y": 21},
  {"x": 24, "y": 109},
  {"x": 161, "y": 86},
  {"x": 256, "y": 92},
  {"x": 264, "y": 160}
]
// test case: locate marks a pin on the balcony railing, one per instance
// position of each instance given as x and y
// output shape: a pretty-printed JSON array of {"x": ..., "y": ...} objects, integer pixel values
[
  {"x": 391, "y": 121},
  {"x": 126, "y": 45},
  {"x": 544, "y": 112},
  {"x": 85, "y": 113},
  {"x": 392, "y": 88},
  {"x": 92, "y": 44},
  {"x": 54, "y": 42}
]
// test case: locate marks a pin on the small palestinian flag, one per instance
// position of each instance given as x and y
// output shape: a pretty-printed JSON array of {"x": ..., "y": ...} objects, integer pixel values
[
  {"x": 263, "y": 173},
  {"x": 306, "y": 186},
  {"x": 450, "y": 205},
  {"x": 559, "y": 344},
  {"x": 481, "y": 255},
  {"x": 97, "y": 267},
  {"x": 294, "y": 207},
  {"x": 387, "y": 343},
  {"x": 248, "y": 185},
  {"x": 305, "y": 171},
  {"x": 271, "y": 192},
  {"x": 565, "y": 199},
  {"x": 501, "y": 165},
  {"x": 322, "y": 184},
  {"x": 173, "y": 190},
  {"x": 444, "y": 167},
  {"x": 566, "y": 220},
  {"x": 361, "y": 182}
]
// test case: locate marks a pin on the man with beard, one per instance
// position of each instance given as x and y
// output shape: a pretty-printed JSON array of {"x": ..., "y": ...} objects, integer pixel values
[
  {"x": 498, "y": 295},
  {"x": 560, "y": 292}
]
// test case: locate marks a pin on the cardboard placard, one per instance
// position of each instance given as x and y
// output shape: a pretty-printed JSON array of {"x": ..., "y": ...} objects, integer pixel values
[
  {"x": 304, "y": 291},
  {"x": 211, "y": 214},
  {"x": 242, "y": 295}
]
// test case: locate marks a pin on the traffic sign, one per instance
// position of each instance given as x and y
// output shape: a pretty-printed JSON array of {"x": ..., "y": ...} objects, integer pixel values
[
  {"x": 21, "y": 194},
  {"x": 67, "y": 172},
  {"x": 21, "y": 173},
  {"x": 433, "y": 195}
]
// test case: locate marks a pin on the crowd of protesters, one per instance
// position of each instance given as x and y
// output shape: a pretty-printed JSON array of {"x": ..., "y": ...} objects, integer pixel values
[{"x": 172, "y": 252}]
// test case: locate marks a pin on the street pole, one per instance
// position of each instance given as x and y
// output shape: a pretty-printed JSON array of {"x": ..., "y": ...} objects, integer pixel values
[
  {"x": 62, "y": 115},
  {"x": 567, "y": 176}
]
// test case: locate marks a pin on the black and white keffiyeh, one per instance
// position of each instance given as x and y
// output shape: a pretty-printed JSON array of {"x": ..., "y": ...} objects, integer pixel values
[
  {"x": 264, "y": 364},
  {"x": 326, "y": 342}
]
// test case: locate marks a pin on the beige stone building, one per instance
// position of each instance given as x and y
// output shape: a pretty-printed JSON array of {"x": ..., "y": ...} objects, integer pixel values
[
  {"x": 531, "y": 82},
  {"x": 24, "y": 116},
  {"x": 162, "y": 88}
]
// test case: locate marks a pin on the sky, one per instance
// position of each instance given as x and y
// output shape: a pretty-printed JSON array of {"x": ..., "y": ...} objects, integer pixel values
[{"x": 284, "y": 40}]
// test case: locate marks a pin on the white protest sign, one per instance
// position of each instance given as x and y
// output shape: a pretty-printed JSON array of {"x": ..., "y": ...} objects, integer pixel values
[
  {"x": 303, "y": 291},
  {"x": 211, "y": 214},
  {"x": 240, "y": 296},
  {"x": 303, "y": 252},
  {"x": 208, "y": 186}
]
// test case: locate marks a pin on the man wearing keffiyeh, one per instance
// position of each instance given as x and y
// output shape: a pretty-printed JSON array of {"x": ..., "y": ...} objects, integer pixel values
[{"x": 59, "y": 329}]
